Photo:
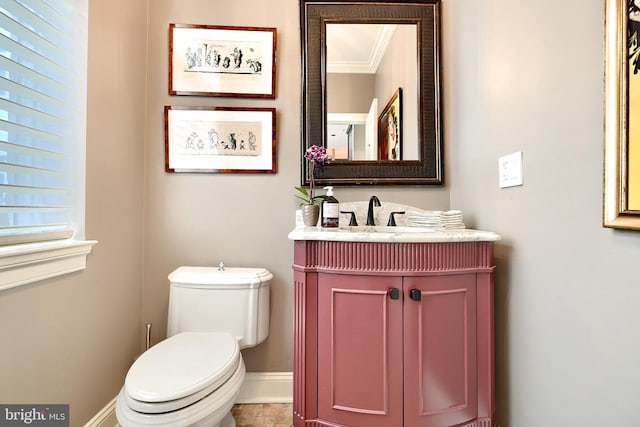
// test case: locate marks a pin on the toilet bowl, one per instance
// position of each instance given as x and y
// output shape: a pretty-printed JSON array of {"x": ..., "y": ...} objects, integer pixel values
[{"x": 193, "y": 377}]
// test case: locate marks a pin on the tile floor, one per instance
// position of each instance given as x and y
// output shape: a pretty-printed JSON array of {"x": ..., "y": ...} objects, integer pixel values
[{"x": 263, "y": 415}]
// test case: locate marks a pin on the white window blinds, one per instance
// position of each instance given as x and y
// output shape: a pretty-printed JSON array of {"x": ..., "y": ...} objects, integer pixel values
[{"x": 43, "y": 49}]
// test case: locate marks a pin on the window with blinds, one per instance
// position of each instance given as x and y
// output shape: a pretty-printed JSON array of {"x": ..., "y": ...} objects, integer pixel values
[{"x": 43, "y": 61}]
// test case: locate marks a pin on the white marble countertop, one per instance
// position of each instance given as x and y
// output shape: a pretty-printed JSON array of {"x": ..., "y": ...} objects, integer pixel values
[{"x": 391, "y": 234}]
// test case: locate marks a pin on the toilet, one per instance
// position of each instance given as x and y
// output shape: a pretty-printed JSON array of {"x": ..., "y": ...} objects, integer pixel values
[{"x": 194, "y": 376}]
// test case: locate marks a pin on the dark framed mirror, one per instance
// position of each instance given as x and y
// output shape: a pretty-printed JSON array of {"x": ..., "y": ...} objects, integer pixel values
[{"x": 371, "y": 71}]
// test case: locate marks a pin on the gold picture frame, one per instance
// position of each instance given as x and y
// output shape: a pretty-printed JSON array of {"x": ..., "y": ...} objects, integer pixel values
[
  {"x": 619, "y": 203},
  {"x": 390, "y": 129}
]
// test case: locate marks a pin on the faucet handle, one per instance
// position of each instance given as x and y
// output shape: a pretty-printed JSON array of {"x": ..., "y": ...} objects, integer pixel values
[
  {"x": 392, "y": 218},
  {"x": 352, "y": 220}
]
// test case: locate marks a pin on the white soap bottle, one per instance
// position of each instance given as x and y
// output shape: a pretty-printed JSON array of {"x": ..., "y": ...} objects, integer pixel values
[{"x": 330, "y": 210}]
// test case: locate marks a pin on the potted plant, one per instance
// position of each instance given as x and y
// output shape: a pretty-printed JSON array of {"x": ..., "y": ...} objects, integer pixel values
[{"x": 309, "y": 202}]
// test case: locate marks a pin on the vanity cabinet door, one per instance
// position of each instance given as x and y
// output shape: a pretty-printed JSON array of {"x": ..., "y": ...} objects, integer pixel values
[
  {"x": 440, "y": 350},
  {"x": 359, "y": 350}
]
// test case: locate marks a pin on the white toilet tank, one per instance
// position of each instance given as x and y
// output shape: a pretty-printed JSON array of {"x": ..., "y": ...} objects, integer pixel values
[{"x": 214, "y": 299}]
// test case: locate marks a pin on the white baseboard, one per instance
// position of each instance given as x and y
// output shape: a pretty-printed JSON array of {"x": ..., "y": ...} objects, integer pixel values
[
  {"x": 106, "y": 417},
  {"x": 267, "y": 387},
  {"x": 258, "y": 387}
]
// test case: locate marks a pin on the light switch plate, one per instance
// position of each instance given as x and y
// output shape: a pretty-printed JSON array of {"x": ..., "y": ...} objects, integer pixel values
[{"x": 510, "y": 170}]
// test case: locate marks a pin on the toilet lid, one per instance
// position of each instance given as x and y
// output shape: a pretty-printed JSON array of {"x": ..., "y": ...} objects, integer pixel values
[
  {"x": 183, "y": 365},
  {"x": 208, "y": 410},
  {"x": 216, "y": 278}
]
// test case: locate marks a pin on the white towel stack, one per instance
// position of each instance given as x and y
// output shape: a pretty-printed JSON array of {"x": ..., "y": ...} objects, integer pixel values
[
  {"x": 452, "y": 220},
  {"x": 436, "y": 220},
  {"x": 426, "y": 219}
]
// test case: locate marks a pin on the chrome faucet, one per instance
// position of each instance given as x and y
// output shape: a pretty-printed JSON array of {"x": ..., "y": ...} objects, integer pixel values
[{"x": 373, "y": 201}]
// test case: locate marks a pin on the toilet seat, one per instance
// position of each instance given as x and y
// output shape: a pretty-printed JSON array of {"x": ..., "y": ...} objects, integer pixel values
[{"x": 180, "y": 371}]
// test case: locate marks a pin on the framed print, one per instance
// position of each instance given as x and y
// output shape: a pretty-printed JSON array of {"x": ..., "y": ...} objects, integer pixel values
[
  {"x": 222, "y": 61},
  {"x": 390, "y": 129},
  {"x": 621, "y": 198},
  {"x": 220, "y": 139}
]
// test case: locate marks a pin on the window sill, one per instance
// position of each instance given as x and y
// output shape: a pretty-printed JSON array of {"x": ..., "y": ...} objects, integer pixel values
[{"x": 28, "y": 263}]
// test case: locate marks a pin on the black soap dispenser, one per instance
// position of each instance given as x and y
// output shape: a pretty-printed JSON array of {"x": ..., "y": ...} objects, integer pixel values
[{"x": 330, "y": 210}]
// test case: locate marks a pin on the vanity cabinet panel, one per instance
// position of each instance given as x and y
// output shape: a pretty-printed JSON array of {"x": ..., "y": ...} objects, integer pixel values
[
  {"x": 393, "y": 334},
  {"x": 440, "y": 350},
  {"x": 359, "y": 350}
]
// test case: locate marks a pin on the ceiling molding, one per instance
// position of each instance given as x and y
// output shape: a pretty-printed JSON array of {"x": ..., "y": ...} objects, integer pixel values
[{"x": 376, "y": 50}]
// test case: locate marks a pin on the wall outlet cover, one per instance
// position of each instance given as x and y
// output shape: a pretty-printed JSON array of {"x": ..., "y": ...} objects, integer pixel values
[{"x": 510, "y": 170}]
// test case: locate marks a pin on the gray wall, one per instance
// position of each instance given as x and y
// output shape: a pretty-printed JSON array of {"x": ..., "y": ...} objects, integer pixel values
[
  {"x": 528, "y": 76},
  {"x": 518, "y": 76},
  {"x": 350, "y": 93}
]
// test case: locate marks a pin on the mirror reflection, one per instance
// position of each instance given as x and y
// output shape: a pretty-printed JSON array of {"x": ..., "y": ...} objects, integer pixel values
[{"x": 372, "y": 85}]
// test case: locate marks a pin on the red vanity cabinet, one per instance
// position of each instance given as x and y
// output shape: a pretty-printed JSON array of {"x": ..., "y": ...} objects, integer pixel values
[{"x": 393, "y": 334}]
